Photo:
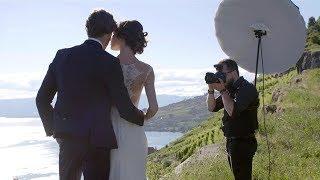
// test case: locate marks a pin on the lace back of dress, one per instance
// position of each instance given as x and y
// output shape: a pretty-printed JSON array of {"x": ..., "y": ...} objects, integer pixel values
[{"x": 131, "y": 74}]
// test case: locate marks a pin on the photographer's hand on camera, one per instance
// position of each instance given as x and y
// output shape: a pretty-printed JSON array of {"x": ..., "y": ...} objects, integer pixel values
[
  {"x": 211, "y": 101},
  {"x": 217, "y": 86},
  {"x": 228, "y": 102}
]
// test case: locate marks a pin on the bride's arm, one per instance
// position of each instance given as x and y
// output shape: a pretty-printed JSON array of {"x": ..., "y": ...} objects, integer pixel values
[{"x": 151, "y": 95}]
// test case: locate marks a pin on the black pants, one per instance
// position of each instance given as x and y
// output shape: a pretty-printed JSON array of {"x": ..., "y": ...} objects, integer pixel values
[
  {"x": 240, "y": 156},
  {"x": 78, "y": 156}
]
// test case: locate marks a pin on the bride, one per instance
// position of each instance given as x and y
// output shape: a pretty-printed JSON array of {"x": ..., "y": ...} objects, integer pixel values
[{"x": 128, "y": 162}]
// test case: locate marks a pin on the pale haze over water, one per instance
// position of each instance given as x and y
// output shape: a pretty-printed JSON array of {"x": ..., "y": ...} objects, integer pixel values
[{"x": 26, "y": 153}]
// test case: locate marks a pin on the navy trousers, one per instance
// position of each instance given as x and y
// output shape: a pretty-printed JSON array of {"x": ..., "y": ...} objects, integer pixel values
[{"x": 77, "y": 156}]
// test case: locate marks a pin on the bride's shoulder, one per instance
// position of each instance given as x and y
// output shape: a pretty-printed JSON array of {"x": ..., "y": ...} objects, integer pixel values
[{"x": 145, "y": 67}]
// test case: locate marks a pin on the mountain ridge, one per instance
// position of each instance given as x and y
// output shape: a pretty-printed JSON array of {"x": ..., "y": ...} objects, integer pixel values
[{"x": 26, "y": 107}]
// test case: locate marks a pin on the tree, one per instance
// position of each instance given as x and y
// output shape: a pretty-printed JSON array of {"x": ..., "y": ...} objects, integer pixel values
[
  {"x": 313, "y": 38},
  {"x": 318, "y": 25},
  {"x": 312, "y": 22}
]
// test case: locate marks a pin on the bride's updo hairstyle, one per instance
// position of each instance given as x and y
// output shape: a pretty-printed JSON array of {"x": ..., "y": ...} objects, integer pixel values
[{"x": 132, "y": 33}]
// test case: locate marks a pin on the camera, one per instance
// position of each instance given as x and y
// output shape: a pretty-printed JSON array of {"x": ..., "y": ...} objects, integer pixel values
[{"x": 214, "y": 77}]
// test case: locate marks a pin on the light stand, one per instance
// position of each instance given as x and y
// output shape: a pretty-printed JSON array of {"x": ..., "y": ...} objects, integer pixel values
[{"x": 258, "y": 34}]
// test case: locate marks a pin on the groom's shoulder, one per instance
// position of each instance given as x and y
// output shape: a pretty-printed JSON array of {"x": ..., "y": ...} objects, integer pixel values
[
  {"x": 108, "y": 55},
  {"x": 71, "y": 50},
  {"x": 61, "y": 52},
  {"x": 109, "y": 58},
  {"x": 68, "y": 50}
]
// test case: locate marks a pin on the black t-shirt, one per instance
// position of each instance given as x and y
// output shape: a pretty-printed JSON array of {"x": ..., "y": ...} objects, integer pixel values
[{"x": 244, "y": 120}]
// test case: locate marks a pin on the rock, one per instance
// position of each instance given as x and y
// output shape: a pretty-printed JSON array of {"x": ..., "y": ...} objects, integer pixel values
[
  {"x": 277, "y": 95},
  {"x": 270, "y": 109},
  {"x": 151, "y": 150},
  {"x": 200, "y": 155},
  {"x": 297, "y": 80},
  {"x": 308, "y": 60},
  {"x": 280, "y": 110}
]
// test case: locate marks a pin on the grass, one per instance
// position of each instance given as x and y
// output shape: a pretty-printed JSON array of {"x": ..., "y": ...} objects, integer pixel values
[
  {"x": 166, "y": 159},
  {"x": 314, "y": 48},
  {"x": 294, "y": 138}
]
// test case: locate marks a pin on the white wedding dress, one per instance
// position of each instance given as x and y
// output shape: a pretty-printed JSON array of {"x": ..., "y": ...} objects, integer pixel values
[{"x": 128, "y": 162}]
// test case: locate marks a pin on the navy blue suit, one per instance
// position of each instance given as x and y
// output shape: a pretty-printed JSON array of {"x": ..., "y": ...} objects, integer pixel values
[{"x": 87, "y": 81}]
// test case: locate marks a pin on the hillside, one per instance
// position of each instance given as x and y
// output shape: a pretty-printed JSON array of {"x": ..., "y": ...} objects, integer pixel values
[
  {"x": 21, "y": 108},
  {"x": 180, "y": 116},
  {"x": 293, "y": 124}
]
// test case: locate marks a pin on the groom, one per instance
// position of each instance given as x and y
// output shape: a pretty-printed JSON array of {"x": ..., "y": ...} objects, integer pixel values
[{"x": 87, "y": 81}]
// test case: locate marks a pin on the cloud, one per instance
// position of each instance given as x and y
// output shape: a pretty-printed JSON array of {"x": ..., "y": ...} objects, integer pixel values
[
  {"x": 16, "y": 94},
  {"x": 183, "y": 82},
  {"x": 178, "y": 81},
  {"x": 186, "y": 82},
  {"x": 19, "y": 85},
  {"x": 22, "y": 81}
]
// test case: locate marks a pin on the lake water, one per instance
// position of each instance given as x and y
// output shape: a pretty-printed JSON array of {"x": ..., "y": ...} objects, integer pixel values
[{"x": 26, "y": 153}]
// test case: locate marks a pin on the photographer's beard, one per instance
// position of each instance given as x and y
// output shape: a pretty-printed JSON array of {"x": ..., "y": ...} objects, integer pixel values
[
  {"x": 230, "y": 83},
  {"x": 231, "y": 78}
]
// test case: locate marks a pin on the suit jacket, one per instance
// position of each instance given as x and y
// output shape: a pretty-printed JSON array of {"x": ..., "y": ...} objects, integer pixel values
[{"x": 87, "y": 81}]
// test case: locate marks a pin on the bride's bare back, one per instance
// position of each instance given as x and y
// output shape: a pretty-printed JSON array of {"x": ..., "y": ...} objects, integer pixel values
[{"x": 139, "y": 75}]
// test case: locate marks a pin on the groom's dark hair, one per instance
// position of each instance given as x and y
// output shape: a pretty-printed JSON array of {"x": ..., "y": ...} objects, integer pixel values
[{"x": 100, "y": 23}]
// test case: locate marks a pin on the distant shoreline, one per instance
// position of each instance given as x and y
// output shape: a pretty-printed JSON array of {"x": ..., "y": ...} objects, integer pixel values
[{"x": 147, "y": 128}]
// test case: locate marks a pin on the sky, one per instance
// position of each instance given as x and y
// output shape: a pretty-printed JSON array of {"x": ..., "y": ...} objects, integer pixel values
[{"x": 182, "y": 44}]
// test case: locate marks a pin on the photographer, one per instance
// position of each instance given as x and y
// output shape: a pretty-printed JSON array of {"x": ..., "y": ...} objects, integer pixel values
[{"x": 240, "y": 101}]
